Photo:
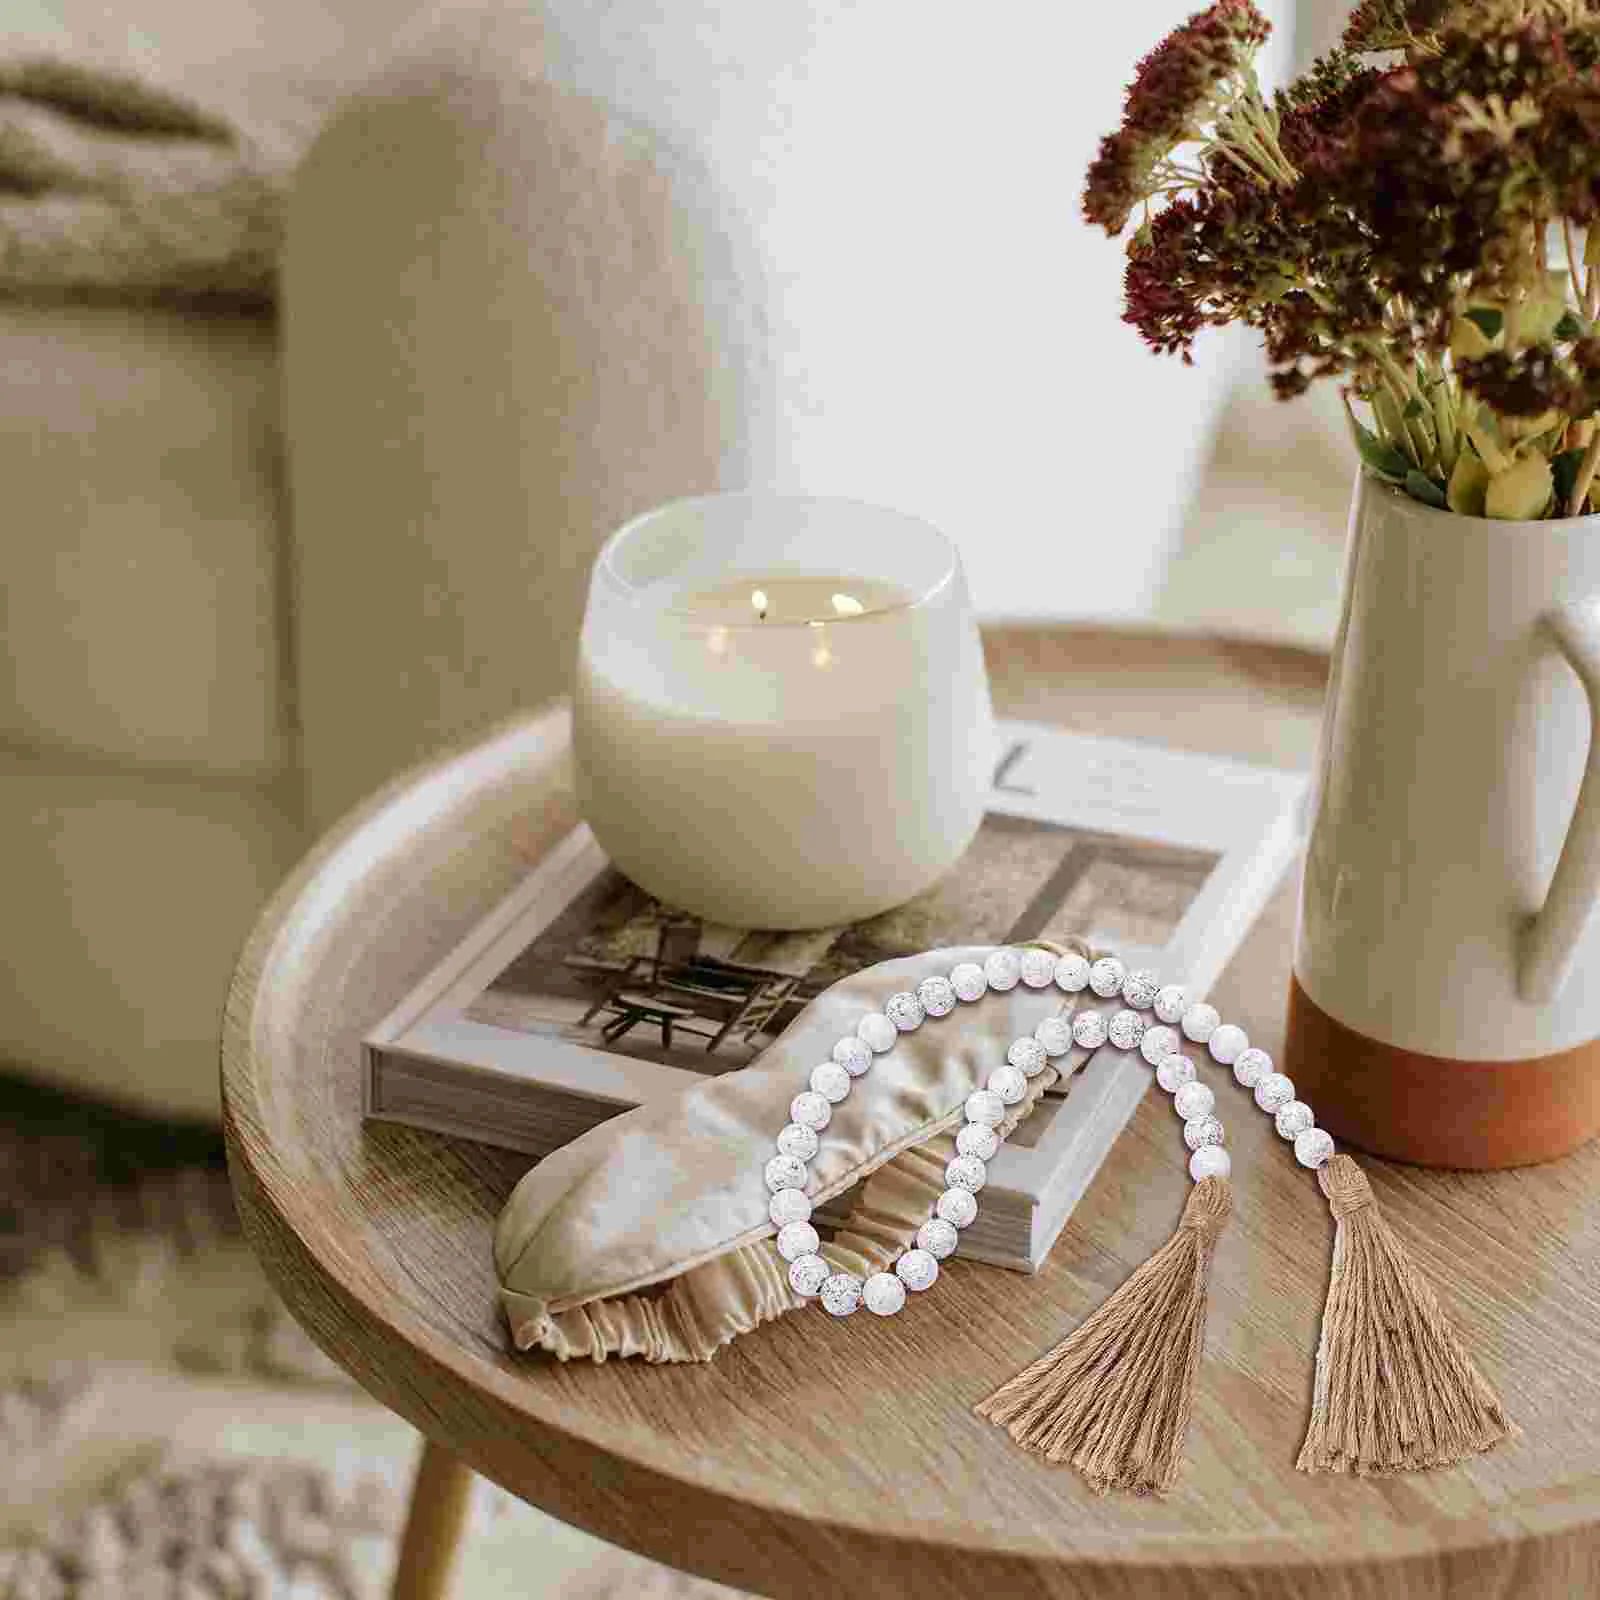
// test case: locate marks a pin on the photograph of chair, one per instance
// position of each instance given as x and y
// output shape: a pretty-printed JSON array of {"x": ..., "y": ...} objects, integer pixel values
[{"x": 619, "y": 971}]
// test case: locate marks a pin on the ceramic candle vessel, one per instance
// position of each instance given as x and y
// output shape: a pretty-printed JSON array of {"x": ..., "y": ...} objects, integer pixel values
[
  {"x": 1445, "y": 1007},
  {"x": 781, "y": 714}
]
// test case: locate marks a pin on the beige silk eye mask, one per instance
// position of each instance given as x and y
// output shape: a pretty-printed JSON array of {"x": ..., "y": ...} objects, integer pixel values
[{"x": 650, "y": 1236}]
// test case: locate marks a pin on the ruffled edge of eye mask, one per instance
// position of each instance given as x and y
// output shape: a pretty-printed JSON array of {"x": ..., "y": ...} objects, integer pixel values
[{"x": 709, "y": 1304}]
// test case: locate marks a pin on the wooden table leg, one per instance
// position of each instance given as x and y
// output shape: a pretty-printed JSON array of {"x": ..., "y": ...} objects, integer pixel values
[{"x": 435, "y": 1520}]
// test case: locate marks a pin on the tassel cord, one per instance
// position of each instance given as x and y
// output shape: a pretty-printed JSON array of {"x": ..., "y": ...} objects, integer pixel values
[
  {"x": 1113, "y": 1398},
  {"x": 1395, "y": 1389}
]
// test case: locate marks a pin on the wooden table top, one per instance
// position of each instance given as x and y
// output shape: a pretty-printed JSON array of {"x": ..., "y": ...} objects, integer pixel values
[{"x": 820, "y": 1459}]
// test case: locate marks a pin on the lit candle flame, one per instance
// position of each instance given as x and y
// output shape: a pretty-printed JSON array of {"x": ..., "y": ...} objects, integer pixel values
[
  {"x": 847, "y": 605},
  {"x": 758, "y": 599}
]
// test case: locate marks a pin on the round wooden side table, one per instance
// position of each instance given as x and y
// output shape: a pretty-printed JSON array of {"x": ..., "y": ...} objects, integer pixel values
[{"x": 815, "y": 1459}]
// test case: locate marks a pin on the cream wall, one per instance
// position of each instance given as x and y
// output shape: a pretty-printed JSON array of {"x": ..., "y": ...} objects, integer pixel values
[{"x": 946, "y": 327}]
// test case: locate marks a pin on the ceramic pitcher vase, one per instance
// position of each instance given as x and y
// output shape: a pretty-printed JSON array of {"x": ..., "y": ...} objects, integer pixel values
[{"x": 1445, "y": 1005}]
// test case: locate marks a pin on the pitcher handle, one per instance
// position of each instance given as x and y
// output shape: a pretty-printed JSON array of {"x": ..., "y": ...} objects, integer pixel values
[{"x": 1550, "y": 940}]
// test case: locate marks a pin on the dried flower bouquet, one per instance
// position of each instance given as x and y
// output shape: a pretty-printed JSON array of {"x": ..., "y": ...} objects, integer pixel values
[{"x": 1419, "y": 213}]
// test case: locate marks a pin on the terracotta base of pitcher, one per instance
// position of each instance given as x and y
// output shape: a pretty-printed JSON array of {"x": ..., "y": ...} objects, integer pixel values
[{"x": 1435, "y": 1111}]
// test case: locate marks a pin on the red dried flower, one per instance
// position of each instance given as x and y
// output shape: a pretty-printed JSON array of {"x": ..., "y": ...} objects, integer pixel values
[
  {"x": 1315, "y": 111},
  {"x": 1174, "y": 86},
  {"x": 1353, "y": 220},
  {"x": 1392, "y": 24},
  {"x": 1530, "y": 382}
]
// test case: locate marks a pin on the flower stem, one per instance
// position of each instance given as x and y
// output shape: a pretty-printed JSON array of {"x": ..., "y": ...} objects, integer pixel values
[
  {"x": 1586, "y": 471},
  {"x": 1405, "y": 393}
]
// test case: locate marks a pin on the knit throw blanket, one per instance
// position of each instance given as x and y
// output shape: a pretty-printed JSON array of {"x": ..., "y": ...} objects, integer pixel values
[{"x": 112, "y": 187}]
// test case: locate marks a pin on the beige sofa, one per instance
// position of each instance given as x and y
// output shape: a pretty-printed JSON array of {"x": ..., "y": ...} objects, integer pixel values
[
  {"x": 150, "y": 796},
  {"x": 541, "y": 329}
]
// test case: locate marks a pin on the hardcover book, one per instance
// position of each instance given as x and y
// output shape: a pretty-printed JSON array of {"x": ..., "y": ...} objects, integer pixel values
[{"x": 580, "y": 996}]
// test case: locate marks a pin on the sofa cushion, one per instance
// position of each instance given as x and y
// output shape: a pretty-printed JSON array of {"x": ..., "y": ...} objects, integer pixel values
[
  {"x": 140, "y": 593},
  {"x": 130, "y": 900}
]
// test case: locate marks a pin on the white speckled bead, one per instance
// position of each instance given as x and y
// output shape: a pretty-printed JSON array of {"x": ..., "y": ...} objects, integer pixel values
[
  {"x": 811, "y": 1110},
  {"x": 1106, "y": 975},
  {"x": 1003, "y": 969},
  {"x": 1227, "y": 1043},
  {"x": 977, "y": 1139},
  {"x": 938, "y": 1238},
  {"x": 1158, "y": 1043},
  {"x": 1273, "y": 1092},
  {"x": 1027, "y": 1056},
  {"x": 957, "y": 1207},
  {"x": 1089, "y": 1029},
  {"x": 1313, "y": 1147},
  {"x": 985, "y": 1106},
  {"x": 917, "y": 1269},
  {"x": 1140, "y": 989},
  {"x": 1209, "y": 1161},
  {"x": 938, "y": 996},
  {"x": 841, "y": 1294},
  {"x": 785, "y": 1172},
  {"x": 905, "y": 1011},
  {"x": 877, "y": 1032},
  {"x": 1055, "y": 1034},
  {"x": 1173, "y": 1071},
  {"x": 831, "y": 1081},
  {"x": 1193, "y": 1100},
  {"x": 1009, "y": 1083},
  {"x": 1200, "y": 1022},
  {"x": 1172, "y": 1002},
  {"x": 853, "y": 1055},
  {"x": 1198, "y": 1132},
  {"x": 966, "y": 1172},
  {"x": 1125, "y": 1030},
  {"x": 799, "y": 1141},
  {"x": 1072, "y": 974},
  {"x": 1038, "y": 968},
  {"x": 968, "y": 981},
  {"x": 798, "y": 1239},
  {"x": 883, "y": 1294},
  {"x": 1250, "y": 1067},
  {"x": 1293, "y": 1119},
  {"x": 808, "y": 1274},
  {"x": 789, "y": 1205}
]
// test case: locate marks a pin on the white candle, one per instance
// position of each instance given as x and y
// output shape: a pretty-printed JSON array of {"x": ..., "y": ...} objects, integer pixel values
[{"x": 782, "y": 718}]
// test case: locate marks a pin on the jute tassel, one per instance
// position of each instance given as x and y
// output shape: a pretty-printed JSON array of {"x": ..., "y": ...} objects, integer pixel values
[
  {"x": 1395, "y": 1387},
  {"x": 1113, "y": 1398}
]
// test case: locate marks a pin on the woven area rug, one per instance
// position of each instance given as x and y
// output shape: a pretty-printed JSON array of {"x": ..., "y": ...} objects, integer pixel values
[{"x": 168, "y": 1433}]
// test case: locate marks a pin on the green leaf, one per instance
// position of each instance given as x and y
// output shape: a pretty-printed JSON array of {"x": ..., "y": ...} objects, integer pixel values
[
  {"x": 1413, "y": 409},
  {"x": 1564, "y": 472},
  {"x": 1487, "y": 318},
  {"x": 1421, "y": 487},
  {"x": 1571, "y": 326},
  {"x": 1382, "y": 459}
]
